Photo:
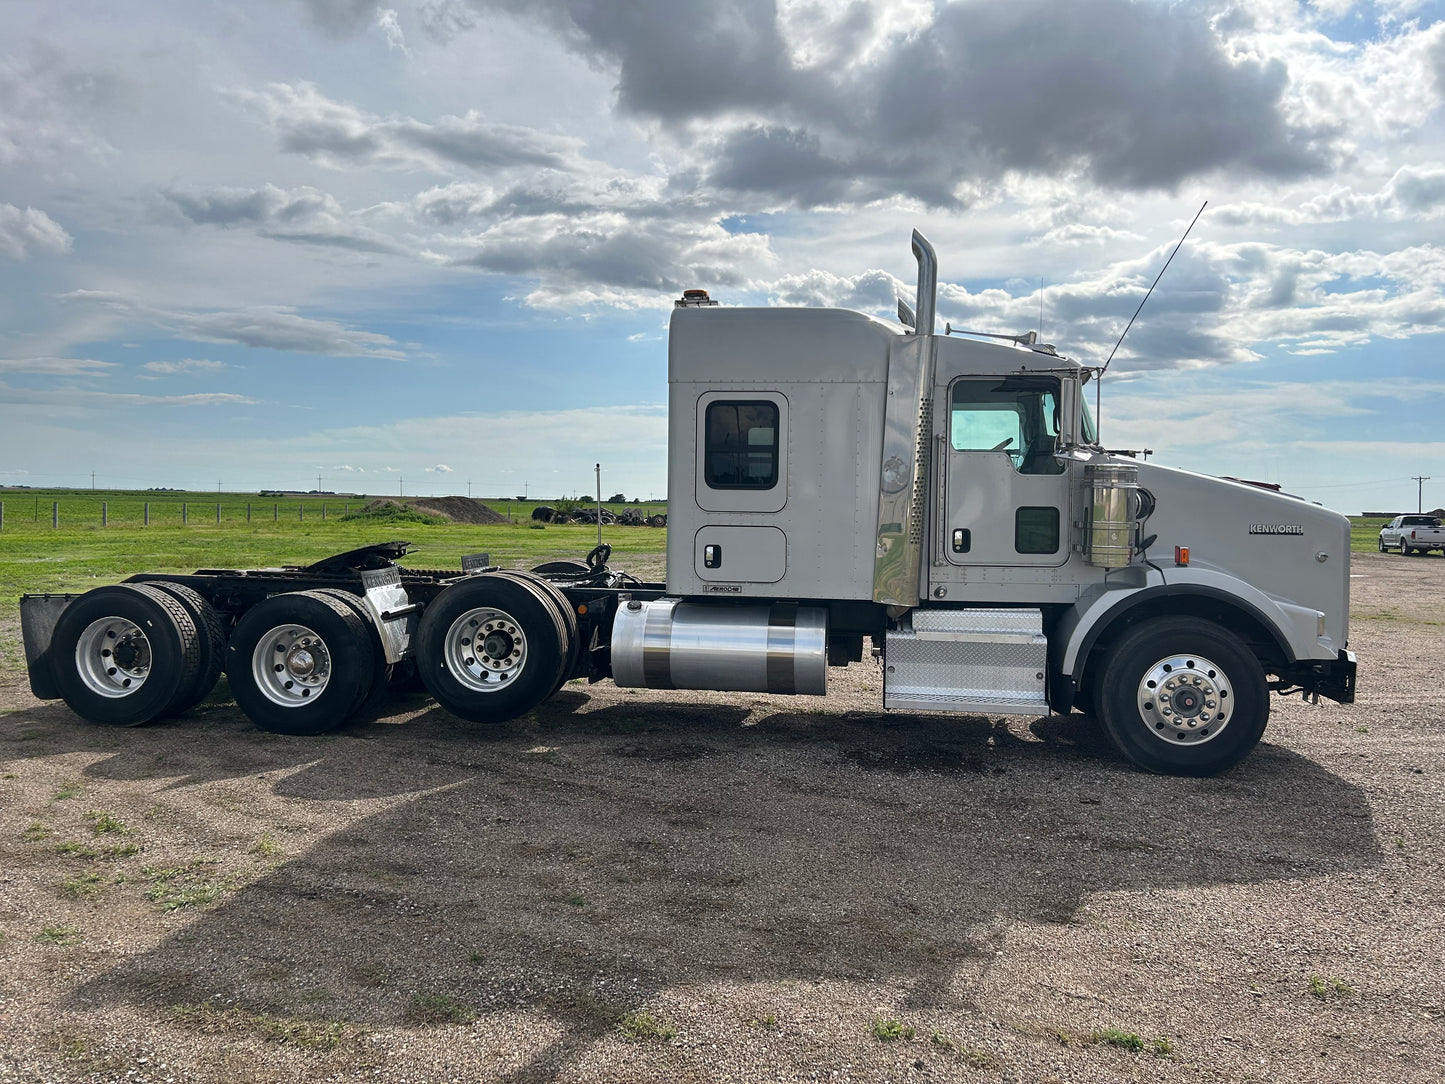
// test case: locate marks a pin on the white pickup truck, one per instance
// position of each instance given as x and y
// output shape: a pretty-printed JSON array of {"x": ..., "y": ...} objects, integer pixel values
[{"x": 1413, "y": 534}]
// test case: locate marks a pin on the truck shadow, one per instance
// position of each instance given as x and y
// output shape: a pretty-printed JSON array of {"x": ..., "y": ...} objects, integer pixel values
[{"x": 580, "y": 864}]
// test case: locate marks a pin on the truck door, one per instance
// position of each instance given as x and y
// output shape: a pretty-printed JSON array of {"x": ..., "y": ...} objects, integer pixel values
[
  {"x": 741, "y": 477},
  {"x": 1005, "y": 499}
]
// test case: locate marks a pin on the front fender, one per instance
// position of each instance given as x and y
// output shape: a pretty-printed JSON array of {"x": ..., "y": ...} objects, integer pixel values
[{"x": 1295, "y": 629}]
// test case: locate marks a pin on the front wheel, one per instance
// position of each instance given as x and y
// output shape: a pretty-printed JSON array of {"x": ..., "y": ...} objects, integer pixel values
[
  {"x": 1182, "y": 696},
  {"x": 1382, "y": 543}
]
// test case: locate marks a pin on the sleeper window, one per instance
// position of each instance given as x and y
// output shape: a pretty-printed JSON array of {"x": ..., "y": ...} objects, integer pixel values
[{"x": 741, "y": 444}]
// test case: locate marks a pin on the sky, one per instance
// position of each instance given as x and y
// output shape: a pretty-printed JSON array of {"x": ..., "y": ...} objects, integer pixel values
[{"x": 431, "y": 246}]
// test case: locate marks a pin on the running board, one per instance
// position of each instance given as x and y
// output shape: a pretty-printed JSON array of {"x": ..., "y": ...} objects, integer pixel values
[{"x": 982, "y": 662}]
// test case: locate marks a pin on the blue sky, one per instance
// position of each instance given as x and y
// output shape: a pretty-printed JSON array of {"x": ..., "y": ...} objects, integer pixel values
[{"x": 425, "y": 243}]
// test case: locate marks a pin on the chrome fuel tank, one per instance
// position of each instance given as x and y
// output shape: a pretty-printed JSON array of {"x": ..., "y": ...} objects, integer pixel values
[{"x": 671, "y": 644}]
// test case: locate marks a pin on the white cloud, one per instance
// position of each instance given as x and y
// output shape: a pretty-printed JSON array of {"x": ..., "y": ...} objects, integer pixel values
[
  {"x": 440, "y": 468},
  {"x": 390, "y": 26},
  {"x": 184, "y": 365},
  {"x": 56, "y": 366},
  {"x": 25, "y": 232}
]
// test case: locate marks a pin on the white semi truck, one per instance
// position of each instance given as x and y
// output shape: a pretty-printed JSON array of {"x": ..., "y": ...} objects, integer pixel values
[{"x": 833, "y": 480}]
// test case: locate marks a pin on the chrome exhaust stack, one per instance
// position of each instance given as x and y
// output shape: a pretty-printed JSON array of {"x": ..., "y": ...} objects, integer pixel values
[
  {"x": 927, "y": 284},
  {"x": 907, "y": 429}
]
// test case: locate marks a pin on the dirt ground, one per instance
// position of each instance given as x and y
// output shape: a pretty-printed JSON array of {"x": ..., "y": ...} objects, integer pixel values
[{"x": 681, "y": 887}]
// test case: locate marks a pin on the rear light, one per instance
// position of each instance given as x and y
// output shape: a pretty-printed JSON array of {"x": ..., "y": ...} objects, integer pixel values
[{"x": 1181, "y": 556}]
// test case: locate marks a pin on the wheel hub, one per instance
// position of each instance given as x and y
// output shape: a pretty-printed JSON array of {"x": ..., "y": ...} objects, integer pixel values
[
  {"x": 291, "y": 665},
  {"x": 113, "y": 657},
  {"x": 1185, "y": 699},
  {"x": 485, "y": 649}
]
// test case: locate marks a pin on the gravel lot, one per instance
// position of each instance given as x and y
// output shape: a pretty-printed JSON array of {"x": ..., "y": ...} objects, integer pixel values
[{"x": 695, "y": 887}]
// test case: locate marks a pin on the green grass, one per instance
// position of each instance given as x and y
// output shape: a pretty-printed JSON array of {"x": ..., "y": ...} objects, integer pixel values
[
  {"x": 58, "y": 935},
  {"x": 438, "y": 1009},
  {"x": 1326, "y": 987},
  {"x": 888, "y": 1030},
  {"x": 81, "y": 554},
  {"x": 305, "y": 1034},
  {"x": 645, "y": 1027},
  {"x": 175, "y": 887}
]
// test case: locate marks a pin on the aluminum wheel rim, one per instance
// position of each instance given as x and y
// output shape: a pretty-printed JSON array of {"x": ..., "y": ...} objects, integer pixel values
[
  {"x": 113, "y": 657},
  {"x": 291, "y": 665},
  {"x": 1186, "y": 700},
  {"x": 486, "y": 649}
]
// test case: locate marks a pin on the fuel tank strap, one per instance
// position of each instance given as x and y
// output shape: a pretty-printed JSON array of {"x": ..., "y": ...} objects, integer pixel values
[
  {"x": 656, "y": 647},
  {"x": 782, "y": 644}
]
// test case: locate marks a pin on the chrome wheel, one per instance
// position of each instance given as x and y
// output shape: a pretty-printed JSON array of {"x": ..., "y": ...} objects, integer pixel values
[
  {"x": 485, "y": 649},
  {"x": 291, "y": 665},
  {"x": 1185, "y": 699},
  {"x": 113, "y": 657}
]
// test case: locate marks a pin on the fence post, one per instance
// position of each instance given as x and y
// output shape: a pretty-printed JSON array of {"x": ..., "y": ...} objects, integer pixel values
[
  {"x": 301, "y": 511},
  {"x": 2, "y": 515},
  {"x": 218, "y": 511},
  {"x": 323, "y": 509},
  {"x": 105, "y": 513},
  {"x": 275, "y": 513},
  {"x": 55, "y": 514},
  {"x": 183, "y": 511},
  {"x": 248, "y": 511},
  {"x": 147, "y": 513}
]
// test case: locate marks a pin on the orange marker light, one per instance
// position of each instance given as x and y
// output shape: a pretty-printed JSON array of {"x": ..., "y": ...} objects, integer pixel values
[
  {"x": 582, "y": 607},
  {"x": 1181, "y": 555}
]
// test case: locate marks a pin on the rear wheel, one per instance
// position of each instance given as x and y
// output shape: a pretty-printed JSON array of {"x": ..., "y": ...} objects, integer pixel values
[
  {"x": 300, "y": 663},
  {"x": 1183, "y": 696},
  {"x": 381, "y": 670},
  {"x": 565, "y": 614},
  {"x": 210, "y": 641},
  {"x": 124, "y": 655},
  {"x": 491, "y": 648}
]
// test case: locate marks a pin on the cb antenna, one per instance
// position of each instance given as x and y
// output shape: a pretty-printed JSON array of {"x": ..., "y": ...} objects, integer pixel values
[{"x": 1098, "y": 386}]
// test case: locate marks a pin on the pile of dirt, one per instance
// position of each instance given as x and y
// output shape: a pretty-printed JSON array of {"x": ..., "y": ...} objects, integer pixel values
[{"x": 458, "y": 509}]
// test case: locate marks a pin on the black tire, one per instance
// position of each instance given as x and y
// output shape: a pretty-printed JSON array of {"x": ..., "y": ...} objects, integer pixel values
[
  {"x": 323, "y": 663},
  {"x": 124, "y": 655},
  {"x": 565, "y": 614},
  {"x": 380, "y": 668},
  {"x": 525, "y": 649},
  {"x": 1219, "y": 708},
  {"x": 210, "y": 639},
  {"x": 1382, "y": 543}
]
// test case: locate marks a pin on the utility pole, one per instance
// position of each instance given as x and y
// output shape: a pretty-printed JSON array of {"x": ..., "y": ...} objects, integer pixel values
[
  {"x": 400, "y": 486},
  {"x": 318, "y": 483},
  {"x": 92, "y": 479},
  {"x": 218, "y": 485},
  {"x": 469, "y": 489},
  {"x": 1420, "y": 480},
  {"x": 598, "y": 469}
]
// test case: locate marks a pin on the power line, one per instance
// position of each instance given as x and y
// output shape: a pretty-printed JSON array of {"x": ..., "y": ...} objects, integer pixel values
[{"x": 1420, "y": 480}]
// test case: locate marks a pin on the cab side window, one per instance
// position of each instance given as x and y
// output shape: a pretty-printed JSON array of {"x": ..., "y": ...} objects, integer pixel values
[
  {"x": 1018, "y": 415},
  {"x": 741, "y": 444}
]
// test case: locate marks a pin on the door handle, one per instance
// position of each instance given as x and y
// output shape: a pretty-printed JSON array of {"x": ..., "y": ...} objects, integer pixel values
[
  {"x": 962, "y": 540},
  {"x": 712, "y": 556}
]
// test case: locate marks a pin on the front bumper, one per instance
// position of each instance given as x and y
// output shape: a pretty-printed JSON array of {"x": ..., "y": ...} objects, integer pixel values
[{"x": 1334, "y": 679}]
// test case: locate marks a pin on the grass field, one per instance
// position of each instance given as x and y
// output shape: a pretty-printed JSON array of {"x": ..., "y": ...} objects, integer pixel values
[
  {"x": 295, "y": 529},
  {"x": 81, "y": 553}
]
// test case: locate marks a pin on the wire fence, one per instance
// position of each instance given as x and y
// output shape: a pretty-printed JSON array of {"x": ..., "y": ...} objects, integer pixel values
[{"x": 129, "y": 512}]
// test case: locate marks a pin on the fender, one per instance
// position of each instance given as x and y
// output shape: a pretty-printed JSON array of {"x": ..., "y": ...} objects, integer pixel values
[{"x": 1294, "y": 629}]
